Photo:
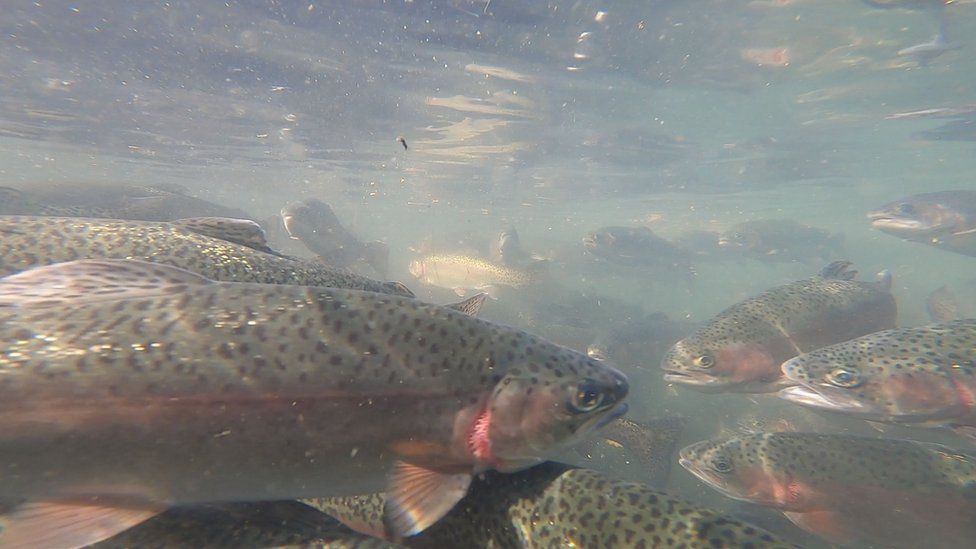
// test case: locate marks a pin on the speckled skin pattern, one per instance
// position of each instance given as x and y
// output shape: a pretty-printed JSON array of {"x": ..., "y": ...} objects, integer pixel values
[
  {"x": 749, "y": 341},
  {"x": 242, "y": 526},
  {"x": 924, "y": 374},
  {"x": 652, "y": 443},
  {"x": 554, "y": 506},
  {"x": 890, "y": 492},
  {"x": 28, "y": 242},
  {"x": 276, "y": 391}
]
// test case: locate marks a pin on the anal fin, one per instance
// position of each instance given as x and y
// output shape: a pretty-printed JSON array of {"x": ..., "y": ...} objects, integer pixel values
[
  {"x": 69, "y": 523},
  {"x": 419, "y": 497}
]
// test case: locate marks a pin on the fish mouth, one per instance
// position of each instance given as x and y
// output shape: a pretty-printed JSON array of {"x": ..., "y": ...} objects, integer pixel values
[
  {"x": 692, "y": 380},
  {"x": 889, "y": 222},
  {"x": 807, "y": 396},
  {"x": 616, "y": 413},
  {"x": 288, "y": 220}
]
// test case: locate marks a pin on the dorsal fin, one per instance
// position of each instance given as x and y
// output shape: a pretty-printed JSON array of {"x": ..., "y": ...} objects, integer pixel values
[
  {"x": 470, "y": 306},
  {"x": 88, "y": 281},
  {"x": 838, "y": 270},
  {"x": 239, "y": 231}
]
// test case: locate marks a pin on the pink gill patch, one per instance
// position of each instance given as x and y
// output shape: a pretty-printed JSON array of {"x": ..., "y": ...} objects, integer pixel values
[{"x": 479, "y": 439}]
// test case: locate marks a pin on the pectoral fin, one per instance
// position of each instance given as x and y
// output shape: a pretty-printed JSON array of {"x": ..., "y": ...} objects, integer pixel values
[
  {"x": 69, "y": 523},
  {"x": 419, "y": 497},
  {"x": 826, "y": 524}
]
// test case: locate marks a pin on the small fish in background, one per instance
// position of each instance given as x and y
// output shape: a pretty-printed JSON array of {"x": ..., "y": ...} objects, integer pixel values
[
  {"x": 506, "y": 249},
  {"x": 636, "y": 247},
  {"x": 848, "y": 489},
  {"x": 943, "y": 305},
  {"x": 315, "y": 224},
  {"x": 922, "y": 376},
  {"x": 701, "y": 244},
  {"x": 652, "y": 443},
  {"x": 943, "y": 219},
  {"x": 243, "y": 526},
  {"x": 142, "y": 364},
  {"x": 781, "y": 240},
  {"x": 638, "y": 341},
  {"x": 556, "y": 505},
  {"x": 742, "y": 348},
  {"x": 463, "y": 274},
  {"x": 402, "y": 141}
]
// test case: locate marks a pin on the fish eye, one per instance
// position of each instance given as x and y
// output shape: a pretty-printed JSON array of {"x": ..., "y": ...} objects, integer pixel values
[
  {"x": 721, "y": 464},
  {"x": 705, "y": 361},
  {"x": 588, "y": 397},
  {"x": 906, "y": 208},
  {"x": 843, "y": 377}
]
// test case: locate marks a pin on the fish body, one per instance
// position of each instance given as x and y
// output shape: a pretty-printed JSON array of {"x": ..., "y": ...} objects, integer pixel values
[
  {"x": 742, "y": 348},
  {"x": 780, "y": 240},
  {"x": 652, "y": 443},
  {"x": 944, "y": 219},
  {"x": 134, "y": 387},
  {"x": 110, "y": 200},
  {"x": 638, "y": 341},
  {"x": 463, "y": 273},
  {"x": 554, "y": 505},
  {"x": 217, "y": 248},
  {"x": 848, "y": 489},
  {"x": 634, "y": 247},
  {"x": 315, "y": 224},
  {"x": 506, "y": 249},
  {"x": 249, "y": 525},
  {"x": 923, "y": 375}
]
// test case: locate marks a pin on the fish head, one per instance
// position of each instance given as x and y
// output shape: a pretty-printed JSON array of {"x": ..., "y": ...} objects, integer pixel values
[
  {"x": 599, "y": 240},
  {"x": 921, "y": 217},
  {"x": 309, "y": 217},
  {"x": 714, "y": 364},
  {"x": 753, "y": 468},
  {"x": 739, "y": 238},
  {"x": 867, "y": 381},
  {"x": 547, "y": 403}
]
